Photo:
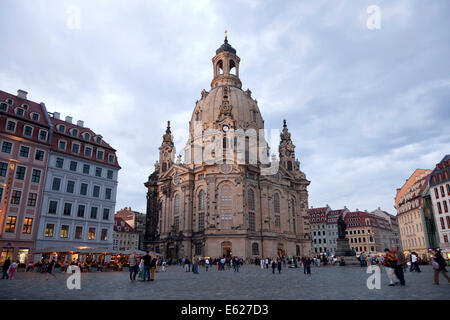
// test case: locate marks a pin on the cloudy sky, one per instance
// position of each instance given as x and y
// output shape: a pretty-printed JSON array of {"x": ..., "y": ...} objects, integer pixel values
[{"x": 365, "y": 106}]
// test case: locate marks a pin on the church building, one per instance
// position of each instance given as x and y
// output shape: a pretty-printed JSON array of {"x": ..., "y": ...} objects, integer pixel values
[{"x": 228, "y": 197}]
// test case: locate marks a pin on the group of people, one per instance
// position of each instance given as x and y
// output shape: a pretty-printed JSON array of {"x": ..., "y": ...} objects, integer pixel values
[{"x": 143, "y": 268}]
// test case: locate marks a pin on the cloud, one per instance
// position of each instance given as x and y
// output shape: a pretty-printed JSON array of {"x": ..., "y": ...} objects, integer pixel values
[{"x": 365, "y": 107}]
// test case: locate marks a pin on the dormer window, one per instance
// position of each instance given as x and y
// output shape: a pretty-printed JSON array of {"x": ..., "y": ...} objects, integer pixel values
[
  {"x": 98, "y": 139},
  {"x": 74, "y": 132},
  {"x": 61, "y": 128},
  {"x": 25, "y": 106},
  {"x": 10, "y": 101},
  {"x": 3, "y": 106},
  {"x": 111, "y": 158},
  {"x": 34, "y": 116},
  {"x": 20, "y": 112},
  {"x": 86, "y": 136}
]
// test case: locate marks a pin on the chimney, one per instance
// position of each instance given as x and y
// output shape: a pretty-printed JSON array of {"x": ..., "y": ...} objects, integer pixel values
[
  {"x": 80, "y": 123},
  {"x": 22, "y": 94},
  {"x": 69, "y": 119},
  {"x": 56, "y": 115}
]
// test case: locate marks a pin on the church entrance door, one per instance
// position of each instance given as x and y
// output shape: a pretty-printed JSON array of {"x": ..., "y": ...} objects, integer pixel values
[{"x": 226, "y": 249}]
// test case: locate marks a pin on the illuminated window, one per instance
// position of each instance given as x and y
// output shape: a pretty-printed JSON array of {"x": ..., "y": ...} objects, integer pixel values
[
  {"x": 64, "y": 231},
  {"x": 11, "y": 224},
  {"x": 32, "y": 197},
  {"x": 91, "y": 234},
  {"x": 49, "y": 229}
]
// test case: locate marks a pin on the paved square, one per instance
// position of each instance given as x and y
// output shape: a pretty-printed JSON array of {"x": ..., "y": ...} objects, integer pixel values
[{"x": 325, "y": 283}]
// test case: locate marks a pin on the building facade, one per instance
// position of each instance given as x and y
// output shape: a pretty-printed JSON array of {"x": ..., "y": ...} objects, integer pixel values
[
  {"x": 394, "y": 236},
  {"x": 409, "y": 205},
  {"x": 440, "y": 197},
  {"x": 318, "y": 228},
  {"x": 332, "y": 229},
  {"x": 80, "y": 189},
  {"x": 125, "y": 237},
  {"x": 226, "y": 199},
  {"x": 25, "y": 136},
  {"x": 136, "y": 220}
]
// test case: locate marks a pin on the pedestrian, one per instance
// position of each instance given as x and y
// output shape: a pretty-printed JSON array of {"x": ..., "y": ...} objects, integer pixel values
[
  {"x": 261, "y": 263},
  {"x": 222, "y": 262},
  {"x": 414, "y": 262},
  {"x": 187, "y": 264},
  {"x": 134, "y": 266},
  {"x": 438, "y": 264},
  {"x": 207, "y": 264},
  {"x": 183, "y": 261},
  {"x": 30, "y": 266},
  {"x": 195, "y": 265},
  {"x": 267, "y": 263},
  {"x": 5, "y": 268},
  {"x": 147, "y": 260},
  {"x": 12, "y": 269},
  {"x": 141, "y": 270},
  {"x": 50, "y": 268},
  {"x": 274, "y": 265},
  {"x": 362, "y": 259},
  {"x": 152, "y": 268},
  {"x": 390, "y": 263},
  {"x": 163, "y": 266},
  {"x": 279, "y": 264},
  {"x": 401, "y": 264}
]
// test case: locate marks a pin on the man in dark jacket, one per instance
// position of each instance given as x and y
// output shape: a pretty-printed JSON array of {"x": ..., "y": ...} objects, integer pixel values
[
  {"x": 5, "y": 268},
  {"x": 147, "y": 260}
]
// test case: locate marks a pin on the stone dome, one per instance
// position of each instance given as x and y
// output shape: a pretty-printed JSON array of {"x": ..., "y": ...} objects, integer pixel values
[{"x": 245, "y": 111}]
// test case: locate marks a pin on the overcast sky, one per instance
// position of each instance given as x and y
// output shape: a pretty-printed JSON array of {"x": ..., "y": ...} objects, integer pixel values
[{"x": 365, "y": 106}]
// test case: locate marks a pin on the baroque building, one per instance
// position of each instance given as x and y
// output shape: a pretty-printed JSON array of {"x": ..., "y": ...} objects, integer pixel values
[{"x": 227, "y": 197}]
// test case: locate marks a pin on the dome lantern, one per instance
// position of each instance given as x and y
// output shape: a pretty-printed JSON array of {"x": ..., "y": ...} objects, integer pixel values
[{"x": 226, "y": 66}]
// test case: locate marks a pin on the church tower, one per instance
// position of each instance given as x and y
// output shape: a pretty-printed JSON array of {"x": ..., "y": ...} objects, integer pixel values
[
  {"x": 167, "y": 150},
  {"x": 287, "y": 149},
  {"x": 226, "y": 66}
]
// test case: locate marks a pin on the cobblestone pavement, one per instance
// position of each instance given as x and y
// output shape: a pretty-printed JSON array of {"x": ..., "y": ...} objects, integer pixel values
[{"x": 325, "y": 283}]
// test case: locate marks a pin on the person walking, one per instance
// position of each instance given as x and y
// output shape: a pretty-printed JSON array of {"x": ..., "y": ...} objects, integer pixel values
[
  {"x": 50, "y": 268},
  {"x": 261, "y": 263},
  {"x": 152, "y": 268},
  {"x": 279, "y": 264},
  {"x": 134, "y": 266},
  {"x": 141, "y": 270},
  {"x": 5, "y": 268},
  {"x": 267, "y": 263},
  {"x": 362, "y": 259},
  {"x": 222, "y": 263},
  {"x": 187, "y": 265},
  {"x": 12, "y": 269},
  {"x": 195, "y": 265},
  {"x": 163, "y": 268},
  {"x": 414, "y": 262},
  {"x": 274, "y": 265},
  {"x": 207, "y": 264},
  {"x": 147, "y": 260},
  {"x": 438, "y": 264},
  {"x": 401, "y": 263},
  {"x": 390, "y": 263}
]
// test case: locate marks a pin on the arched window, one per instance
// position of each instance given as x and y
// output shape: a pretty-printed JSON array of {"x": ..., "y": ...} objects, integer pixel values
[
  {"x": 255, "y": 249},
  {"x": 251, "y": 200},
  {"x": 226, "y": 207},
  {"x": 293, "y": 207},
  {"x": 232, "y": 67},
  {"x": 276, "y": 203},
  {"x": 176, "y": 204},
  {"x": 289, "y": 166},
  {"x": 220, "y": 67},
  {"x": 201, "y": 200},
  {"x": 164, "y": 167}
]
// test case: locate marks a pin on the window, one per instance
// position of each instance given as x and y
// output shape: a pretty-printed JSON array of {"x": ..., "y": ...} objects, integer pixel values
[
  {"x": 74, "y": 132},
  {"x": 61, "y": 128},
  {"x": 43, "y": 135},
  {"x": 64, "y": 231},
  {"x": 75, "y": 148},
  {"x": 70, "y": 186},
  {"x": 442, "y": 191},
  {"x": 176, "y": 204},
  {"x": 80, "y": 212},
  {"x": 6, "y": 147},
  {"x": 15, "y": 197},
  {"x": 276, "y": 203},
  {"x": 49, "y": 230},
  {"x": 442, "y": 223},
  {"x": 293, "y": 208},
  {"x": 439, "y": 207},
  {"x": 98, "y": 140},
  {"x": 251, "y": 221},
  {"x": 277, "y": 221},
  {"x": 24, "y": 151},
  {"x": 1, "y": 193},
  {"x": 3, "y": 106},
  {"x": 88, "y": 152},
  {"x": 448, "y": 222},
  {"x": 86, "y": 168},
  {"x": 19, "y": 112},
  {"x": 56, "y": 184},
  {"x": 73, "y": 166},
  {"x": 11, "y": 224},
  {"x": 27, "y": 225},
  {"x": 201, "y": 222},
  {"x": 62, "y": 145},
  {"x": 198, "y": 249},
  {"x": 11, "y": 126},
  {"x": 35, "y": 116},
  {"x": 445, "y": 206},
  {"x": 52, "y": 207},
  {"x": 78, "y": 233},
  {"x": 83, "y": 189},
  {"x": 176, "y": 223},
  {"x": 109, "y": 174},
  {"x": 201, "y": 200},
  {"x": 289, "y": 166},
  {"x": 94, "y": 211},
  {"x": 91, "y": 234},
  {"x": 67, "y": 208},
  {"x": 99, "y": 155},
  {"x": 3, "y": 169},
  {"x": 98, "y": 172},
  {"x": 104, "y": 236},
  {"x": 36, "y": 176},
  {"x": 20, "y": 172},
  {"x": 96, "y": 192},
  {"x": 108, "y": 192},
  {"x": 111, "y": 158},
  {"x": 32, "y": 197},
  {"x": 251, "y": 200},
  {"x": 105, "y": 214},
  {"x": 27, "y": 131},
  {"x": 59, "y": 162},
  {"x": 436, "y": 193}
]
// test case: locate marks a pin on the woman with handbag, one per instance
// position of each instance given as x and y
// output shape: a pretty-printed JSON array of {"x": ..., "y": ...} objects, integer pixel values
[{"x": 438, "y": 263}]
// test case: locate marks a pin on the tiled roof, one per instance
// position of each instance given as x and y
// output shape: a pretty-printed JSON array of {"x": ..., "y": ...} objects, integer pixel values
[
  {"x": 121, "y": 226},
  {"x": 441, "y": 172}
]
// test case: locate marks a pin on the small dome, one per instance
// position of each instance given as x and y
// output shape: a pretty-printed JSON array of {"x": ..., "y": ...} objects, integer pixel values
[{"x": 226, "y": 47}]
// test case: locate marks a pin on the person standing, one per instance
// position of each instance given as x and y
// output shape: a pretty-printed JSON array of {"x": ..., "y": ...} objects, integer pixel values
[
  {"x": 390, "y": 263},
  {"x": 5, "y": 268},
  {"x": 261, "y": 263},
  {"x": 12, "y": 269},
  {"x": 414, "y": 262},
  {"x": 274, "y": 265},
  {"x": 163, "y": 268},
  {"x": 267, "y": 263},
  {"x": 133, "y": 262},
  {"x": 152, "y": 268},
  {"x": 147, "y": 260},
  {"x": 280, "y": 260},
  {"x": 222, "y": 263},
  {"x": 195, "y": 265},
  {"x": 438, "y": 264},
  {"x": 50, "y": 268},
  {"x": 207, "y": 264},
  {"x": 141, "y": 270},
  {"x": 401, "y": 263}
]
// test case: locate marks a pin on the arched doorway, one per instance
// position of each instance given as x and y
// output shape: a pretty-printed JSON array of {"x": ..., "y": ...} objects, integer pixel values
[{"x": 226, "y": 249}]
